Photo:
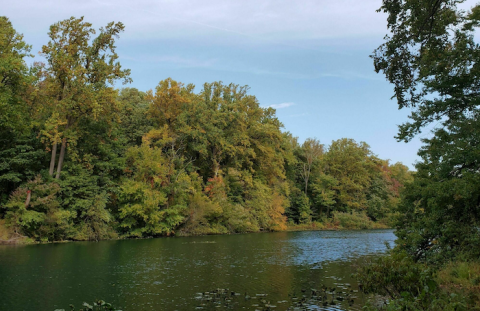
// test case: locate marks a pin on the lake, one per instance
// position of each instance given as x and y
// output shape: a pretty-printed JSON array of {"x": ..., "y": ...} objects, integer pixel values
[{"x": 278, "y": 270}]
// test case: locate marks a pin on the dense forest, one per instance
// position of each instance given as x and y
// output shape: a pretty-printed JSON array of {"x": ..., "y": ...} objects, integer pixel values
[{"x": 81, "y": 159}]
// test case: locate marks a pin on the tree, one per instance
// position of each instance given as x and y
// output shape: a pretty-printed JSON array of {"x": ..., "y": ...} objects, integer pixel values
[
  {"x": 133, "y": 107},
  {"x": 431, "y": 57},
  {"x": 14, "y": 78},
  {"x": 154, "y": 197},
  {"x": 312, "y": 150},
  {"x": 21, "y": 154},
  {"x": 79, "y": 78},
  {"x": 169, "y": 101},
  {"x": 324, "y": 193},
  {"x": 440, "y": 208},
  {"x": 350, "y": 164},
  {"x": 43, "y": 219}
]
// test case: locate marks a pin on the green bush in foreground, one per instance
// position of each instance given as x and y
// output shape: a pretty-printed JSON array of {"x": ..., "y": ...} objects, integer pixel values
[{"x": 399, "y": 283}]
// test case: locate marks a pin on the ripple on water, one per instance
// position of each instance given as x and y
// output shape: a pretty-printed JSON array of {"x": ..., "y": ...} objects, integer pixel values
[{"x": 166, "y": 274}]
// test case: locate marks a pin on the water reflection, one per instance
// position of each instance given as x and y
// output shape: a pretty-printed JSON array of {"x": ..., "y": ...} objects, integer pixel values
[{"x": 168, "y": 274}]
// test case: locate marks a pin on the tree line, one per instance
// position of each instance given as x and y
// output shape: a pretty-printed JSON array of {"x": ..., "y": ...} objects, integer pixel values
[{"x": 83, "y": 160}]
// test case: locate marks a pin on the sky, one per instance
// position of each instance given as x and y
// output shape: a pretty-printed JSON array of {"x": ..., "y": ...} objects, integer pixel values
[{"x": 309, "y": 59}]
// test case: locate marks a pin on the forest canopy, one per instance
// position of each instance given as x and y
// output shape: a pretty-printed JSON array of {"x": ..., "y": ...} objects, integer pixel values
[{"x": 83, "y": 160}]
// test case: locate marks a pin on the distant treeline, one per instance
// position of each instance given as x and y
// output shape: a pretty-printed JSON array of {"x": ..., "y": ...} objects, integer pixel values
[{"x": 82, "y": 160}]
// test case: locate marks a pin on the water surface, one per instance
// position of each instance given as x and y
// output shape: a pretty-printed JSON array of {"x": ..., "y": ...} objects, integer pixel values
[{"x": 169, "y": 273}]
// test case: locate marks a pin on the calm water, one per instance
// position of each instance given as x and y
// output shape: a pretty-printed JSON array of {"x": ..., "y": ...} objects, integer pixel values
[{"x": 168, "y": 273}]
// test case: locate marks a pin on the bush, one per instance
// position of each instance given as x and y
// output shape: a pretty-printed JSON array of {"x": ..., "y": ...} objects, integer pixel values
[
  {"x": 404, "y": 284},
  {"x": 356, "y": 220}
]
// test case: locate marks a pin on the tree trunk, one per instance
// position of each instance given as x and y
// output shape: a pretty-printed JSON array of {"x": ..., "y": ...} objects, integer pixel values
[
  {"x": 52, "y": 160},
  {"x": 216, "y": 168},
  {"x": 62, "y": 156},
  {"x": 216, "y": 164},
  {"x": 29, "y": 196},
  {"x": 306, "y": 177}
]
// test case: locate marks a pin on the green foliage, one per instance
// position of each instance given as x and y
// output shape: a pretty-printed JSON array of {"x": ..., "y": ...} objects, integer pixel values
[
  {"x": 395, "y": 275},
  {"x": 162, "y": 162},
  {"x": 461, "y": 274},
  {"x": 354, "y": 220},
  {"x": 435, "y": 72},
  {"x": 15, "y": 78},
  {"x": 21, "y": 159},
  {"x": 407, "y": 285},
  {"x": 324, "y": 194},
  {"x": 20, "y": 153},
  {"x": 431, "y": 58},
  {"x": 77, "y": 80},
  {"x": 299, "y": 211},
  {"x": 204, "y": 216},
  {"x": 266, "y": 207},
  {"x": 351, "y": 165},
  {"x": 133, "y": 107},
  {"x": 439, "y": 210},
  {"x": 43, "y": 219},
  {"x": 152, "y": 202},
  {"x": 81, "y": 194},
  {"x": 140, "y": 210}
]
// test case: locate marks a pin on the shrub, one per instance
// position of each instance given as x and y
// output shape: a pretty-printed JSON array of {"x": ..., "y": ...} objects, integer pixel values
[{"x": 407, "y": 285}]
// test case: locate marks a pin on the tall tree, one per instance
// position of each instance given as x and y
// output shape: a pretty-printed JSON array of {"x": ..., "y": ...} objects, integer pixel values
[
  {"x": 351, "y": 165},
  {"x": 432, "y": 58},
  {"x": 312, "y": 150},
  {"x": 79, "y": 77},
  {"x": 14, "y": 77},
  {"x": 21, "y": 154},
  {"x": 133, "y": 107}
]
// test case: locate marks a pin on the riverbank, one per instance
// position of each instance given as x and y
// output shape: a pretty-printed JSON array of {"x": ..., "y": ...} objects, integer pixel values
[
  {"x": 7, "y": 237},
  {"x": 338, "y": 221},
  {"x": 343, "y": 221}
]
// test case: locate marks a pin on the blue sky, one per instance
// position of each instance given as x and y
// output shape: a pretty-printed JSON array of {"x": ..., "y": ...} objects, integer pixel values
[{"x": 309, "y": 59}]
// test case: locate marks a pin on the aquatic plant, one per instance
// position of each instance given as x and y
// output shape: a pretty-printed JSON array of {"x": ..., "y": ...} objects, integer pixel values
[{"x": 99, "y": 305}]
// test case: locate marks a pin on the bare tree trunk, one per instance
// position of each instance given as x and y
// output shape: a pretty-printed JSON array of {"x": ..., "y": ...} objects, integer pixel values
[
  {"x": 61, "y": 157},
  {"x": 29, "y": 196},
  {"x": 216, "y": 168},
  {"x": 52, "y": 160},
  {"x": 216, "y": 164},
  {"x": 306, "y": 175}
]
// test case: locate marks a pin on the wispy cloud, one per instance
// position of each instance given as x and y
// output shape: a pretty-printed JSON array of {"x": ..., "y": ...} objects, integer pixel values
[
  {"x": 345, "y": 75},
  {"x": 298, "y": 115},
  {"x": 262, "y": 21},
  {"x": 282, "y": 105},
  {"x": 176, "y": 60}
]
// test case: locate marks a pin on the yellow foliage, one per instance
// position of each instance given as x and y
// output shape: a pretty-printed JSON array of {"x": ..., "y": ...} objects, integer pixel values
[{"x": 277, "y": 211}]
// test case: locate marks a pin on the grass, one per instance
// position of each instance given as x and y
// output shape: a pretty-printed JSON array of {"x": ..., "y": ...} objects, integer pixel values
[
  {"x": 461, "y": 275},
  {"x": 462, "y": 278}
]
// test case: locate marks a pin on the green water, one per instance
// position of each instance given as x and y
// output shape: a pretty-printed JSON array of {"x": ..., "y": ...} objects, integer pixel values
[{"x": 168, "y": 273}]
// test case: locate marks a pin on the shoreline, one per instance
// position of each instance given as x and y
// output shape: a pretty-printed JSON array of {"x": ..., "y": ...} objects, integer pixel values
[{"x": 294, "y": 228}]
